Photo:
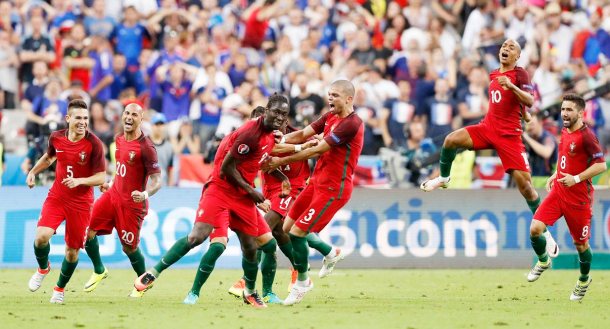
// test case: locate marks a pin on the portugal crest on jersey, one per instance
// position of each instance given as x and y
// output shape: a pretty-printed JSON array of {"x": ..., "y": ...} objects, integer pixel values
[
  {"x": 572, "y": 151},
  {"x": 82, "y": 158},
  {"x": 132, "y": 156}
]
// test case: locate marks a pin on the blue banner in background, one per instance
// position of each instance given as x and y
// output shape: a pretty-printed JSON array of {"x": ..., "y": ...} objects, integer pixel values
[{"x": 377, "y": 229}]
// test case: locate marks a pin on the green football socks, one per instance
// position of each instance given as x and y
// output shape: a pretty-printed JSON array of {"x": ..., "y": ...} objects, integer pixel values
[
  {"x": 314, "y": 241},
  {"x": 177, "y": 251},
  {"x": 137, "y": 262},
  {"x": 539, "y": 245},
  {"x": 92, "y": 247},
  {"x": 67, "y": 269},
  {"x": 301, "y": 255},
  {"x": 287, "y": 251},
  {"x": 42, "y": 255},
  {"x": 585, "y": 259},
  {"x": 533, "y": 205},
  {"x": 269, "y": 265},
  {"x": 447, "y": 157},
  {"x": 206, "y": 266},
  {"x": 250, "y": 272}
]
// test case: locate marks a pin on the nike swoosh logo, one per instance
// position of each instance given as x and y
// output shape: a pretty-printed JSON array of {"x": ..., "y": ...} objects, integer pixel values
[{"x": 264, "y": 147}]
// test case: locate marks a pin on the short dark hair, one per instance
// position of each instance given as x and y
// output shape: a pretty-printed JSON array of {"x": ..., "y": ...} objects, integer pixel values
[
  {"x": 77, "y": 104},
  {"x": 277, "y": 98},
  {"x": 576, "y": 99},
  {"x": 257, "y": 112}
]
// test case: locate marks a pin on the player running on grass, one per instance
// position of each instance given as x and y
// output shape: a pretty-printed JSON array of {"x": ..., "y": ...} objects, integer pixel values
[
  {"x": 80, "y": 166},
  {"x": 510, "y": 93},
  {"x": 229, "y": 200},
  {"x": 330, "y": 186},
  {"x": 297, "y": 173},
  {"x": 571, "y": 192},
  {"x": 124, "y": 204}
]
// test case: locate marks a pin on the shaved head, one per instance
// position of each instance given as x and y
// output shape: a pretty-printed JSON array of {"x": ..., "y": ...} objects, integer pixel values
[
  {"x": 345, "y": 87},
  {"x": 517, "y": 45},
  {"x": 134, "y": 107}
]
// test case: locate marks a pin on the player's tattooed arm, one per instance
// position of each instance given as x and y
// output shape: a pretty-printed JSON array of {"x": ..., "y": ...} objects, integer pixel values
[
  {"x": 229, "y": 170},
  {"x": 43, "y": 163},
  {"x": 154, "y": 185}
]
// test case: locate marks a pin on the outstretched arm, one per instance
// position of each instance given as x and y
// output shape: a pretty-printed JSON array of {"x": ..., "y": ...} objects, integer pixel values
[
  {"x": 275, "y": 162},
  {"x": 43, "y": 163}
]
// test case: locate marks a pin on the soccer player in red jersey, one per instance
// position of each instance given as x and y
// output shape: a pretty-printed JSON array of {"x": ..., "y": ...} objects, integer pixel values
[
  {"x": 80, "y": 166},
  {"x": 570, "y": 192},
  {"x": 124, "y": 204},
  {"x": 330, "y": 186},
  {"x": 229, "y": 200},
  {"x": 297, "y": 173},
  {"x": 510, "y": 93}
]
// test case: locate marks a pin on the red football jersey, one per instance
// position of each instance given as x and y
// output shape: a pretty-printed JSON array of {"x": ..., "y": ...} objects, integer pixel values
[
  {"x": 504, "y": 107},
  {"x": 249, "y": 144},
  {"x": 335, "y": 168},
  {"x": 577, "y": 151},
  {"x": 84, "y": 158},
  {"x": 135, "y": 161},
  {"x": 297, "y": 173}
]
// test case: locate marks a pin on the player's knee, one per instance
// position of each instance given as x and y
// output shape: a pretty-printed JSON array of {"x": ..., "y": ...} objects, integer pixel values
[
  {"x": 536, "y": 229},
  {"x": 580, "y": 246},
  {"x": 128, "y": 250},
  {"x": 91, "y": 234},
  {"x": 41, "y": 240},
  {"x": 269, "y": 247},
  {"x": 452, "y": 140},
  {"x": 71, "y": 255},
  {"x": 195, "y": 239}
]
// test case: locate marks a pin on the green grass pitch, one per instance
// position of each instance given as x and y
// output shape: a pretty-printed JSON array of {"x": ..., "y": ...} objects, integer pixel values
[{"x": 346, "y": 299}]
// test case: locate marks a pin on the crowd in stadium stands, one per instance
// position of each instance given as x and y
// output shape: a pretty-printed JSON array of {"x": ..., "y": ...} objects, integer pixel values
[{"x": 200, "y": 66}]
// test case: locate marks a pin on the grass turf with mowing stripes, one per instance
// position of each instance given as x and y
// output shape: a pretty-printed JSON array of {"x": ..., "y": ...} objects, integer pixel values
[{"x": 346, "y": 299}]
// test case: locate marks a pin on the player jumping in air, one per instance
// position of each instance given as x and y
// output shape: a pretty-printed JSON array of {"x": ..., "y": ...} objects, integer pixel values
[
  {"x": 571, "y": 192},
  {"x": 80, "y": 166},
  {"x": 124, "y": 204},
  {"x": 510, "y": 93},
  {"x": 330, "y": 186},
  {"x": 229, "y": 200}
]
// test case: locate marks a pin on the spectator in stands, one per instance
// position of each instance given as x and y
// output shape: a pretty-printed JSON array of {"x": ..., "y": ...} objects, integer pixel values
[
  {"x": 378, "y": 89},
  {"x": 256, "y": 18},
  {"x": 210, "y": 88},
  {"x": 97, "y": 22},
  {"x": 418, "y": 150},
  {"x": 306, "y": 106},
  {"x": 176, "y": 81},
  {"x": 165, "y": 152},
  {"x": 372, "y": 135},
  {"x": 296, "y": 29},
  {"x": 100, "y": 125},
  {"x": 185, "y": 142},
  {"x": 130, "y": 35},
  {"x": 9, "y": 62},
  {"x": 439, "y": 112},
  {"x": 48, "y": 111},
  {"x": 36, "y": 88},
  {"x": 169, "y": 55},
  {"x": 541, "y": 150},
  {"x": 36, "y": 47},
  {"x": 101, "y": 76},
  {"x": 75, "y": 57},
  {"x": 472, "y": 101},
  {"x": 560, "y": 35},
  {"x": 235, "y": 109},
  {"x": 396, "y": 113},
  {"x": 75, "y": 91}
]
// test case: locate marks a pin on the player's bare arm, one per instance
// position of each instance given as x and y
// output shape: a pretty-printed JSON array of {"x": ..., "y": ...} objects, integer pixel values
[
  {"x": 286, "y": 188},
  {"x": 94, "y": 180},
  {"x": 524, "y": 97},
  {"x": 273, "y": 163},
  {"x": 294, "y": 148},
  {"x": 43, "y": 163},
  {"x": 299, "y": 136},
  {"x": 593, "y": 170},
  {"x": 154, "y": 185},
  {"x": 229, "y": 170}
]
